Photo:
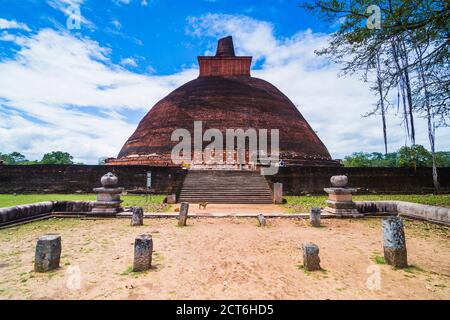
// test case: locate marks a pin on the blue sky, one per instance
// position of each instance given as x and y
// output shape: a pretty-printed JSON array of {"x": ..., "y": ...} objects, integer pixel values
[
  {"x": 153, "y": 32},
  {"x": 84, "y": 91}
]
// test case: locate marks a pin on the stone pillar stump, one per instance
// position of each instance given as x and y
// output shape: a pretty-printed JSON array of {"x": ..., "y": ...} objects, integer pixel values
[
  {"x": 143, "y": 250},
  {"x": 394, "y": 243},
  {"x": 138, "y": 217},
  {"x": 48, "y": 253},
  {"x": 182, "y": 218},
  {"x": 278, "y": 193},
  {"x": 311, "y": 260},
  {"x": 261, "y": 220},
  {"x": 171, "y": 199},
  {"x": 314, "y": 217}
]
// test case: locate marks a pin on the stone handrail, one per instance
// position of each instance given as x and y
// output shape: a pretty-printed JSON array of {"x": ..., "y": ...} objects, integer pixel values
[{"x": 435, "y": 214}]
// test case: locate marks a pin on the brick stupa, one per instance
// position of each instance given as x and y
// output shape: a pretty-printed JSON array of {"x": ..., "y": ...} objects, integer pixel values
[{"x": 224, "y": 96}]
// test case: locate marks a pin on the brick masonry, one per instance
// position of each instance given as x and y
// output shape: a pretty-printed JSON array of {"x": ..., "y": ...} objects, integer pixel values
[
  {"x": 169, "y": 180},
  {"x": 73, "y": 178},
  {"x": 303, "y": 180}
]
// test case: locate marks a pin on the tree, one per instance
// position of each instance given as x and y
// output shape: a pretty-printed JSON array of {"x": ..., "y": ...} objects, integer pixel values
[
  {"x": 408, "y": 53},
  {"x": 357, "y": 159},
  {"x": 57, "y": 157},
  {"x": 443, "y": 159},
  {"x": 414, "y": 156},
  {"x": 13, "y": 158}
]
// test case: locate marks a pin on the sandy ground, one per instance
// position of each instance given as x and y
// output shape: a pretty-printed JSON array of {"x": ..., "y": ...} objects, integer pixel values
[
  {"x": 227, "y": 258},
  {"x": 233, "y": 209}
]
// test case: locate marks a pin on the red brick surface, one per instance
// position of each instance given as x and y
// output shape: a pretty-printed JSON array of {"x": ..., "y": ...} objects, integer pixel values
[{"x": 224, "y": 96}]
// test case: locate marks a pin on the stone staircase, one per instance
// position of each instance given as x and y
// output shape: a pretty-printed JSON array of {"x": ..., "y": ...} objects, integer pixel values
[{"x": 240, "y": 187}]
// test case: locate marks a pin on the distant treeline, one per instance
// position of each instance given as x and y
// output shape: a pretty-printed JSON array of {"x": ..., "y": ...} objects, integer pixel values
[
  {"x": 55, "y": 157},
  {"x": 414, "y": 156}
]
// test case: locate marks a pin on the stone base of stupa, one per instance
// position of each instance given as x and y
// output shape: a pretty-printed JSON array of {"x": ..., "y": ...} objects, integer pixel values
[
  {"x": 108, "y": 202},
  {"x": 340, "y": 202}
]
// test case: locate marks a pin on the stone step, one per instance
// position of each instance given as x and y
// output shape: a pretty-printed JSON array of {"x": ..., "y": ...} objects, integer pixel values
[
  {"x": 227, "y": 201},
  {"x": 225, "y": 187}
]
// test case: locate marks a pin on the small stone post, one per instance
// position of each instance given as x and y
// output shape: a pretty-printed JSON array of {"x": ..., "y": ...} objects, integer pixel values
[
  {"x": 48, "y": 253},
  {"x": 314, "y": 217},
  {"x": 261, "y": 220},
  {"x": 171, "y": 199},
  {"x": 137, "y": 218},
  {"x": 182, "y": 218},
  {"x": 311, "y": 260},
  {"x": 394, "y": 242},
  {"x": 278, "y": 193},
  {"x": 143, "y": 249}
]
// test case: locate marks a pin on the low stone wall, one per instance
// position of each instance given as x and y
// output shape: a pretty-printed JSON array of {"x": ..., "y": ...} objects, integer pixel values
[
  {"x": 411, "y": 210},
  {"x": 22, "y": 213},
  {"x": 25, "y": 212},
  {"x": 73, "y": 206}
]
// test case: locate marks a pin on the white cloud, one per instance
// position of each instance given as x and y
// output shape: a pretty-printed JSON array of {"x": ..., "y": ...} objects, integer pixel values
[
  {"x": 117, "y": 24},
  {"x": 63, "y": 93},
  {"x": 144, "y": 3},
  {"x": 72, "y": 9},
  {"x": 120, "y": 2},
  {"x": 13, "y": 24},
  {"x": 60, "y": 92},
  {"x": 129, "y": 62},
  {"x": 333, "y": 106}
]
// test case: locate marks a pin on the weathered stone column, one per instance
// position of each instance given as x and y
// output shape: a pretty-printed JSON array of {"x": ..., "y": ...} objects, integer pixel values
[
  {"x": 311, "y": 260},
  {"x": 314, "y": 217},
  {"x": 143, "y": 250},
  {"x": 138, "y": 217},
  {"x": 184, "y": 210},
  {"x": 261, "y": 220},
  {"x": 394, "y": 242},
  {"x": 278, "y": 193},
  {"x": 48, "y": 253}
]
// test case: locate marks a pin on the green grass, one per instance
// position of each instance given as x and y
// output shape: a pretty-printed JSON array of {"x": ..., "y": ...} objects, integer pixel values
[
  {"x": 379, "y": 260},
  {"x": 129, "y": 272},
  {"x": 154, "y": 203},
  {"x": 305, "y": 203}
]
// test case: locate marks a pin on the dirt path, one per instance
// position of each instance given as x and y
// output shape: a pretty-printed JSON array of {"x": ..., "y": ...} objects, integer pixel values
[
  {"x": 234, "y": 208},
  {"x": 229, "y": 258}
]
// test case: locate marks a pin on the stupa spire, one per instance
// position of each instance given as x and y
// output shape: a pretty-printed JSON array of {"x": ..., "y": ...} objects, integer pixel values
[
  {"x": 225, "y": 63},
  {"x": 225, "y": 47}
]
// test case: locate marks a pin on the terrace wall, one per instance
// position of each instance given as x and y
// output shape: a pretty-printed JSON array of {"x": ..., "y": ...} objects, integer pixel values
[
  {"x": 165, "y": 180},
  {"x": 74, "y": 178},
  {"x": 302, "y": 180}
]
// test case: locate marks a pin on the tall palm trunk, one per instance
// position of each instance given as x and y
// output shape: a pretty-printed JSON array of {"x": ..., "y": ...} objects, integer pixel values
[{"x": 383, "y": 110}]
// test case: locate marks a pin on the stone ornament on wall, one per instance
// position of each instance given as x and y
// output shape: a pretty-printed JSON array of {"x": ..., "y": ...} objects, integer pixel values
[
  {"x": 340, "y": 199},
  {"x": 108, "y": 197}
]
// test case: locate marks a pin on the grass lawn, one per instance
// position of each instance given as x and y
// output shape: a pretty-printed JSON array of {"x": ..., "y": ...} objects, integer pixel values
[
  {"x": 305, "y": 203},
  {"x": 154, "y": 203}
]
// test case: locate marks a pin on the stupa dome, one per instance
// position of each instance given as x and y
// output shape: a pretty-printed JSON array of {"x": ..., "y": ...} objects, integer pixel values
[{"x": 224, "y": 96}]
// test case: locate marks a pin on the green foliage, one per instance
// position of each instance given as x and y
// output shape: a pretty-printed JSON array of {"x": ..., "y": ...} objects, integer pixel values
[
  {"x": 297, "y": 204},
  {"x": 151, "y": 204},
  {"x": 13, "y": 158},
  {"x": 374, "y": 159},
  {"x": 378, "y": 259},
  {"x": 414, "y": 156},
  {"x": 57, "y": 157}
]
